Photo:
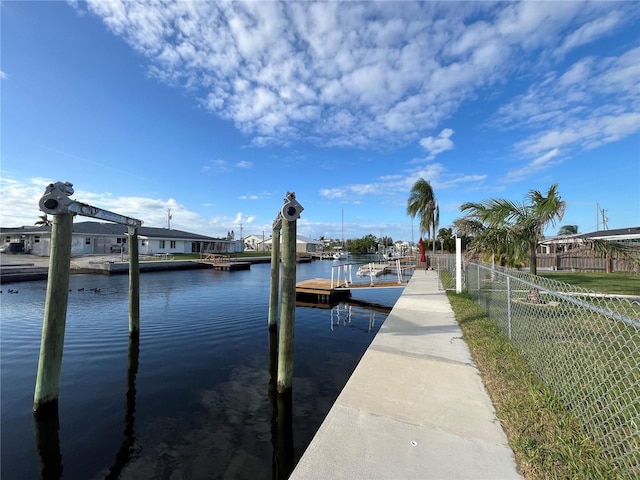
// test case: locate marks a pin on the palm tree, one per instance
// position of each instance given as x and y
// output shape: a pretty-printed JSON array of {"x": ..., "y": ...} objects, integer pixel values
[
  {"x": 43, "y": 221},
  {"x": 422, "y": 203},
  {"x": 519, "y": 225},
  {"x": 568, "y": 230}
]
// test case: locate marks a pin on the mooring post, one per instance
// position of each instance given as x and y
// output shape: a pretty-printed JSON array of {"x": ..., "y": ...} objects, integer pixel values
[
  {"x": 134, "y": 284},
  {"x": 45, "y": 399},
  {"x": 288, "y": 307},
  {"x": 275, "y": 273},
  {"x": 290, "y": 212}
]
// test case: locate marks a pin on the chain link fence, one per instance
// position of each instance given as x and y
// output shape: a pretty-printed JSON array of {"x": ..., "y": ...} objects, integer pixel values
[{"x": 584, "y": 345}]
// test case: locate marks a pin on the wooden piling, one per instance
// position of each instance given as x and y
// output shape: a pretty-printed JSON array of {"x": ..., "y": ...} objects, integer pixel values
[
  {"x": 275, "y": 275},
  {"x": 45, "y": 399},
  {"x": 288, "y": 306},
  {"x": 134, "y": 284}
]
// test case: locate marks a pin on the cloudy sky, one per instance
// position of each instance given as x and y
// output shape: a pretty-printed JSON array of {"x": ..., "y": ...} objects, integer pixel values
[{"x": 215, "y": 110}]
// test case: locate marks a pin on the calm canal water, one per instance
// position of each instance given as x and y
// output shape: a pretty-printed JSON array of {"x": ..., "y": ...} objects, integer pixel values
[{"x": 191, "y": 400}]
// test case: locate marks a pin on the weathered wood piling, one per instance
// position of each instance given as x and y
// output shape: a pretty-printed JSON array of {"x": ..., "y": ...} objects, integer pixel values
[
  {"x": 56, "y": 202},
  {"x": 45, "y": 399}
]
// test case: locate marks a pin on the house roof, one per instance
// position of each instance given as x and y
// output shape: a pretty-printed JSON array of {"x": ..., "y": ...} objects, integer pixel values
[
  {"x": 618, "y": 234},
  {"x": 98, "y": 228}
]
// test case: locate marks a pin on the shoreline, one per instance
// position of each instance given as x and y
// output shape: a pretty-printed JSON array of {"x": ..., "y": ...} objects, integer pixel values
[{"x": 25, "y": 267}]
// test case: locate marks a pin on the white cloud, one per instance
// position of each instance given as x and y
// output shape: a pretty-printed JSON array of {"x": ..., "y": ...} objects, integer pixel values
[
  {"x": 24, "y": 195},
  {"x": 344, "y": 73},
  {"x": 535, "y": 166},
  {"x": 439, "y": 144},
  {"x": 3, "y": 75},
  {"x": 594, "y": 101},
  {"x": 590, "y": 31}
]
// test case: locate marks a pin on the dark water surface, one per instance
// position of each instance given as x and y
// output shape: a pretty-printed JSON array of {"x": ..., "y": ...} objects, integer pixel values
[{"x": 191, "y": 400}]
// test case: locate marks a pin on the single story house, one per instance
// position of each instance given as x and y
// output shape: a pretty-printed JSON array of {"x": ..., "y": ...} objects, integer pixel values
[
  {"x": 102, "y": 238},
  {"x": 572, "y": 252},
  {"x": 303, "y": 244}
]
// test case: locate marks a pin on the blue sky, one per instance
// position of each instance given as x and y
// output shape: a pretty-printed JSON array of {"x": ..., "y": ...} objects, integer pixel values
[{"x": 217, "y": 110}]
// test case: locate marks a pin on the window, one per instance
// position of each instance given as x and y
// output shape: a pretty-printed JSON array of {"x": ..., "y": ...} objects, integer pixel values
[
  {"x": 7, "y": 239},
  {"x": 143, "y": 242},
  {"x": 36, "y": 239},
  {"x": 172, "y": 244},
  {"x": 87, "y": 241},
  {"x": 161, "y": 243}
]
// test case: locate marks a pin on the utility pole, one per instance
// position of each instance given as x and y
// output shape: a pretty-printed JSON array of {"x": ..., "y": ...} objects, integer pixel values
[{"x": 169, "y": 217}]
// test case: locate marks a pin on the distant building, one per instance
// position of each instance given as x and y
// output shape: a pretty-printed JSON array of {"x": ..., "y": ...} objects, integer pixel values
[
  {"x": 102, "y": 238},
  {"x": 303, "y": 244},
  {"x": 254, "y": 243}
]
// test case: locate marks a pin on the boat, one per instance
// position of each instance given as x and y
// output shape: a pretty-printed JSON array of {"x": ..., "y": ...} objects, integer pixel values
[
  {"x": 371, "y": 270},
  {"x": 391, "y": 254},
  {"x": 340, "y": 255}
]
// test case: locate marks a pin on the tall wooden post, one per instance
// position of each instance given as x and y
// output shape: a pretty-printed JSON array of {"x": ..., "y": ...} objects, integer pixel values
[
  {"x": 288, "y": 307},
  {"x": 275, "y": 274},
  {"x": 45, "y": 399},
  {"x": 134, "y": 284}
]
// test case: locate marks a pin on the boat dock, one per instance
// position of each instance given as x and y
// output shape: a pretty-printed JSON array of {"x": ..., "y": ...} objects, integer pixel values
[
  {"x": 415, "y": 406},
  {"x": 339, "y": 286},
  {"x": 223, "y": 262}
]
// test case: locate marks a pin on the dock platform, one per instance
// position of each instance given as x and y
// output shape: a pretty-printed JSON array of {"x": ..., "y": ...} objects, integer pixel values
[
  {"x": 415, "y": 406},
  {"x": 320, "y": 290},
  {"x": 223, "y": 262}
]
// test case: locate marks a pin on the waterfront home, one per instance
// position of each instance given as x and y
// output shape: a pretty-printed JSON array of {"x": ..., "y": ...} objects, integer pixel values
[
  {"x": 101, "y": 238},
  {"x": 254, "y": 243},
  {"x": 303, "y": 244}
]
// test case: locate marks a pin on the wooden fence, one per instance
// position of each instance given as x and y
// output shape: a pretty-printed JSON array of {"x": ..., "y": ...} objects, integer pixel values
[{"x": 585, "y": 261}]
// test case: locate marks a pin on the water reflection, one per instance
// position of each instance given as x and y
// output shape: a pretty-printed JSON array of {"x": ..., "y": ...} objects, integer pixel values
[
  {"x": 344, "y": 313},
  {"x": 281, "y": 417},
  {"x": 128, "y": 448},
  {"x": 47, "y": 437}
]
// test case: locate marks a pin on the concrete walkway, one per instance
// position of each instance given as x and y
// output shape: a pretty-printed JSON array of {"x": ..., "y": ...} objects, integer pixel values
[{"x": 415, "y": 407}]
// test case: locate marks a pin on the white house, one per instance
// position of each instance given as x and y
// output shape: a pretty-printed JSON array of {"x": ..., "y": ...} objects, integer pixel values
[
  {"x": 254, "y": 243},
  {"x": 303, "y": 244},
  {"x": 103, "y": 238}
]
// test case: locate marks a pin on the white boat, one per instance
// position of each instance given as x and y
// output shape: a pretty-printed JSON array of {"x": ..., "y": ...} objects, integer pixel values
[
  {"x": 371, "y": 270},
  {"x": 391, "y": 254},
  {"x": 340, "y": 255}
]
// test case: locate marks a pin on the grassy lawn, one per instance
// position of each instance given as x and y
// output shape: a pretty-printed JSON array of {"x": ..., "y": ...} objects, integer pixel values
[
  {"x": 617, "y": 283},
  {"x": 547, "y": 439}
]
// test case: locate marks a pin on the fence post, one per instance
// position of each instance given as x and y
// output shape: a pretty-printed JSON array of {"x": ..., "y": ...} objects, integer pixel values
[
  {"x": 45, "y": 399},
  {"x": 458, "y": 265},
  {"x": 478, "y": 275},
  {"x": 275, "y": 273},
  {"x": 134, "y": 284},
  {"x": 509, "y": 304}
]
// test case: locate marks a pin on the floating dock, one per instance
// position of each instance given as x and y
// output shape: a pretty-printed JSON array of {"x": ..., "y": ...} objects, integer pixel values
[
  {"x": 223, "y": 262},
  {"x": 324, "y": 291}
]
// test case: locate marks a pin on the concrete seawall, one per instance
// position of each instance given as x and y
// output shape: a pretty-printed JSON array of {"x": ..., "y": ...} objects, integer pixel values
[{"x": 415, "y": 406}]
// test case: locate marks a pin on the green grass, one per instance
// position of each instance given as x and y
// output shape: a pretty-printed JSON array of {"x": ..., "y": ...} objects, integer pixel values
[
  {"x": 547, "y": 439},
  {"x": 616, "y": 283}
]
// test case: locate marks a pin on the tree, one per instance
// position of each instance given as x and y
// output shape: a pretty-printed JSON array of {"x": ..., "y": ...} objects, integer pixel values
[
  {"x": 422, "y": 203},
  {"x": 517, "y": 227},
  {"x": 43, "y": 221},
  {"x": 568, "y": 230},
  {"x": 448, "y": 241}
]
